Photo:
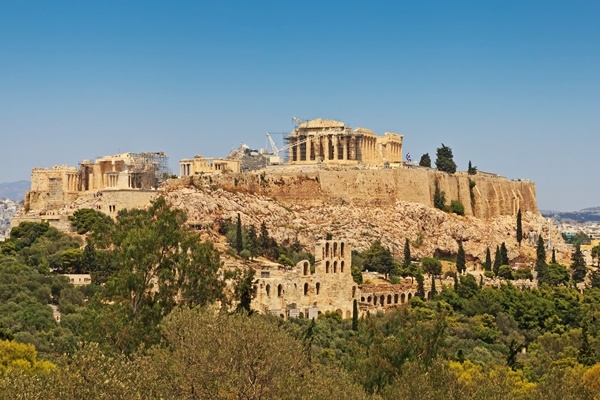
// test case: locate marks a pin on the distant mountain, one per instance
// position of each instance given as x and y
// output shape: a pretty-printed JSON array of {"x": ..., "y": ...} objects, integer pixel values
[
  {"x": 591, "y": 214},
  {"x": 14, "y": 190}
]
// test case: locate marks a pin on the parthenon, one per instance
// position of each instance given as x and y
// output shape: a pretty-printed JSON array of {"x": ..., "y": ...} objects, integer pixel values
[{"x": 329, "y": 141}]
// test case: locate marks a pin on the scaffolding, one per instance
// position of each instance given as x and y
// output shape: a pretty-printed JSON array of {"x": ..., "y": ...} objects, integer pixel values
[{"x": 149, "y": 169}]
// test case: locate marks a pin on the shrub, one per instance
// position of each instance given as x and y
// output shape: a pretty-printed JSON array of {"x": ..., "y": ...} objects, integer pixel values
[{"x": 457, "y": 207}]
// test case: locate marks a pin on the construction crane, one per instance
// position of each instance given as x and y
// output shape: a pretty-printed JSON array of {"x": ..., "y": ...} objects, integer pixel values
[{"x": 274, "y": 159}]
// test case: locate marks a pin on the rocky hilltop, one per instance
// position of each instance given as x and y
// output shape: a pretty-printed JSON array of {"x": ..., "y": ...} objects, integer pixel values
[
  {"x": 430, "y": 230},
  {"x": 482, "y": 195}
]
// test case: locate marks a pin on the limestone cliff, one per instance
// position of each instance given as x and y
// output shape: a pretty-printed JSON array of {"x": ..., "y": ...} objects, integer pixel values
[
  {"x": 482, "y": 195},
  {"x": 430, "y": 231}
]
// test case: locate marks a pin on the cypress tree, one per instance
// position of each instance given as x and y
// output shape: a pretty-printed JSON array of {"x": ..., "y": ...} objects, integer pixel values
[
  {"x": 488, "y": 260},
  {"x": 239, "y": 244},
  {"x": 504, "y": 255},
  {"x": 461, "y": 263},
  {"x": 540, "y": 251},
  {"x": 519, "y": 227},
  {"x": 420, "y": 286},
  {"x": 497, "y": 261},
  {"x": 355, "y": 315},
  {"x": 407, "y": 258},
  {"x": 425, "y": 161},
  {"x": 578, "y": 265}
]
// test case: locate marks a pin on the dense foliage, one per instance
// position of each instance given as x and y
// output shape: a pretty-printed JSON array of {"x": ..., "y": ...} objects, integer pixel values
[{"x": 128, "y": 340}]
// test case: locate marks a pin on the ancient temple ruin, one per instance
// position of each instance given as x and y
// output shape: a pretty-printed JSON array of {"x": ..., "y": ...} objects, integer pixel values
[
  {"x": 201, "y": 165},
  {"x": 329, "y": 141}
]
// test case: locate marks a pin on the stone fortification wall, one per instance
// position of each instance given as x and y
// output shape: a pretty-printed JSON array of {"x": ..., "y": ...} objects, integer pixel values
[{"x": 492, "y": 196}]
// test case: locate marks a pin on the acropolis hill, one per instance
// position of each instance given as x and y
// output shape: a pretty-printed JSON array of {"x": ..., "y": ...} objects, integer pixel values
[{"x": 350, "y": 182}]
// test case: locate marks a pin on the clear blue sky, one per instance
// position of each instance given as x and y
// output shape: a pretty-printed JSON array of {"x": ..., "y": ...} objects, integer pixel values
[{"x": 513, "y": 86}]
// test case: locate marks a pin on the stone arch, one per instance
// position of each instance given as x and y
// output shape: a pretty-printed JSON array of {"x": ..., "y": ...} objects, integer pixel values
[
  {"x": 354, "y": 291},
  {"x": 279, "y": 290},
  {"x": 327, "y": 249},
  {"x": 389, "y": 299},
  {"x": 402, "y": 298},
  {"x": 268, "y": 290},
  {"x": 342, "y": 267},
  {"x": 396, "y": 298},
  {"x": 335, "y": 267},
  {"x": 335, "y": 249},
  {"x": 326, "y": 267},
  {"x": 306, "y": 289},
  {"x": 382, "y": 299},
  {"x": 342, "y": 250},
  {"x": 306, "y": 268},
  {"x": 317, "y": 287}
]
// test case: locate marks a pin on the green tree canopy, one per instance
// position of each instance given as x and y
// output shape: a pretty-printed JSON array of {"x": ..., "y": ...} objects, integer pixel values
[{"x": 444, "y": 159}]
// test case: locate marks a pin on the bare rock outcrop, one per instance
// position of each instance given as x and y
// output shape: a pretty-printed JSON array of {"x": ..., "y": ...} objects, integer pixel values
[{"x": 429, "y": 230}]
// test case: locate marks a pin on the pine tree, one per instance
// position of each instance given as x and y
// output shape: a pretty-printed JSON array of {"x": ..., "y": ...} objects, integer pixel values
[
  {"x": 497, "y": 261},
  {"x": 407, "y": 259},
  {"x": 461, "y": 262},
  {"x": 355, "y": 315},
  {"x": 433, "y": 289},
  {"x": 488, "y": 260},
  {"x": 519, "y": 227},
  {"x": 420, "y": 286},
  {"x": 578, "y": 265},
  {"x": 504, "y": 255},
  {"x": 239, "y": 243},
  {"x": 540, "y": 251},
  {"x": 444, "y": 159}
]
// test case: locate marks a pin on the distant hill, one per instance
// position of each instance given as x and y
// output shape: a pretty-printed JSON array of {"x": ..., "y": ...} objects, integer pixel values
[
  {"x": 14, "y": 190},
  {"x": 586, "y": 215}
]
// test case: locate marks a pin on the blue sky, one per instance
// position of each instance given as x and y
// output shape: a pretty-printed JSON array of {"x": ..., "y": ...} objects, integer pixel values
[{"x": 513, "y": 86}]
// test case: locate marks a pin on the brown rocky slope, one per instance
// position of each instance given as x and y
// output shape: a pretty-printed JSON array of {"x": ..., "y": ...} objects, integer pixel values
[{"x": 430, "y": 231}]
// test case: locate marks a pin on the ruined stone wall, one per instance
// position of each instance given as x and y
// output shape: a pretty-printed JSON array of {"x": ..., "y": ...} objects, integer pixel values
[{"x": 492, "y": 196}]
